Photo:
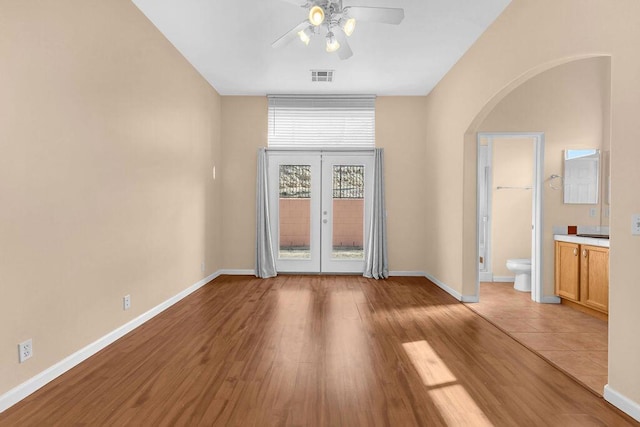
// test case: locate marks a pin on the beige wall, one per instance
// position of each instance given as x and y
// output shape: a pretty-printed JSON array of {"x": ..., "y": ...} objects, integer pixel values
[
  {"x": 399, "y": 130},
  {"x": 570, "y": 104},
  {"x": 107, "y": 138},
  {"x": 512, "y": 166},
  {"x": 528, "y": 38},
  {"x": 244, "y": 130}
]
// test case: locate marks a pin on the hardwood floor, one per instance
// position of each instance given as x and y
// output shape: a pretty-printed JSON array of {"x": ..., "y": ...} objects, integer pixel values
[
  {"x": 316, "y": 350},
  {"x": 575, "y": 342}
]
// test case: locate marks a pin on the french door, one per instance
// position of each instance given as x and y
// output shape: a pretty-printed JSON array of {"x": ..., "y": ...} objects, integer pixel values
[{"x": 320, "y": 210}]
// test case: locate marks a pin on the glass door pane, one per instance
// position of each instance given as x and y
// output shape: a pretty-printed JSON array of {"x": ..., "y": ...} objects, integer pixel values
[
  {"x": 295, "y": 212},
  {"x": 348, "y": 212}
]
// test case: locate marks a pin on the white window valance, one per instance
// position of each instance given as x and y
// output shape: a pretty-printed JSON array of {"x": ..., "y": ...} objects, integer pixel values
[{"x": 321, "y": 122}]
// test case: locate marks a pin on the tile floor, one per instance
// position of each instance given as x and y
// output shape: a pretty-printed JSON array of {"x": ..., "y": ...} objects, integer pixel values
[{"x": 573, "y": 341}]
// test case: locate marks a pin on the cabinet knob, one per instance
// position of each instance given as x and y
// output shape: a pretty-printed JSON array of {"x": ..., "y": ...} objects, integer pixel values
[
  {"x": 584, "y": 253},
  {"x": 575, "y": 251}
]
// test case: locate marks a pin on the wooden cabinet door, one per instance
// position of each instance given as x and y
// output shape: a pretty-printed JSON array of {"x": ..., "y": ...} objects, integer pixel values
[
  {"x": 568, "y": 270},
  {"x": 594, "y": 277}
]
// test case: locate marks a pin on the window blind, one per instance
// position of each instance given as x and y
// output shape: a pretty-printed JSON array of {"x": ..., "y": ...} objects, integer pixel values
[{"x": 321, "y": 122}]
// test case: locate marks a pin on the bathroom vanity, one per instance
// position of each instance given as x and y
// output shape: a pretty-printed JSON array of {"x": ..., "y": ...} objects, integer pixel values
[{"x": 582, "y": 272}]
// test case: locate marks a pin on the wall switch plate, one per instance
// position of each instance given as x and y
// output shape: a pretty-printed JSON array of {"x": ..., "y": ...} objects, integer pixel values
[
  {"x": 25, "y": 350},
  {"x": 126, "y": 302},
  {"x": 635, "y": 224}
]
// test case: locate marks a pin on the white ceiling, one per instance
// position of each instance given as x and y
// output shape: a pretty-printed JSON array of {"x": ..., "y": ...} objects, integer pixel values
[{"x": 229, "y": 43}]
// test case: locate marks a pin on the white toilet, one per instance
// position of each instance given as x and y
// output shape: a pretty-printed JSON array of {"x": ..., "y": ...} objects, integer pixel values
[{"x": 522, "y": 269}]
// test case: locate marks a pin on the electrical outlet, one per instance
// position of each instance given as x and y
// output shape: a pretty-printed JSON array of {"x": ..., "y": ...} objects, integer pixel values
[
  {"x": 126, "y": 302},
  {"x": 202, "y": 266},
  {"x": 635, "y": 224},
  {"x": 592, "y": 212},
  {"x": 25, "y": 350}
]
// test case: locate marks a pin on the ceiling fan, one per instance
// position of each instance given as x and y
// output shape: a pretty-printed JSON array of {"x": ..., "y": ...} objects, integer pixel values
[{"x": 336, "y": 23}]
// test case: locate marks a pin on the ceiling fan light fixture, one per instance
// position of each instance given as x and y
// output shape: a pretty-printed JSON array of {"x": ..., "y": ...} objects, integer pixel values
[
  {"x": 316, "y": 15},
  {"x": 305, "y": 35},
  {"x": 328, "y": 16},
  {"x": 348, "y": 25},
  {"x": 332, "y": 43}
]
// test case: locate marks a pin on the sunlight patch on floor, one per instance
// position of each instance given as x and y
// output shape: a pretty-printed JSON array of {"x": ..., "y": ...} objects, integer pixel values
[{"x": 456, "y": 406}]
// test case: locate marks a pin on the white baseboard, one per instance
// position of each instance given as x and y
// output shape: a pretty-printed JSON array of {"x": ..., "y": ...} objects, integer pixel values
[
  {"x": 470, "y": 298},
  {"x": 23, "y": 390},
  {"x": 237, "y": 272},
  {"x": 550, "y": 299},
  {"x": 622, "y": 402},
  {"x": 399, "y": 273},
  {"x": 407, "y": 273},
  {"x": 448, "y": 289},
  {"x": 485, "y": 276},
  {"x": 504, "y": 279}
]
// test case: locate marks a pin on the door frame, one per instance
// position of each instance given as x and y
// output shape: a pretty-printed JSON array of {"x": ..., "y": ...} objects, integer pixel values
[
  {"x": 537, "y": 250},
  {"x": 487, "y": 274}
]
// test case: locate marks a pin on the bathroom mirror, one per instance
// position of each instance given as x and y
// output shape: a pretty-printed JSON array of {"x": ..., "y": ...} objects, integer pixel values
[{"x": 581, "y": 176}]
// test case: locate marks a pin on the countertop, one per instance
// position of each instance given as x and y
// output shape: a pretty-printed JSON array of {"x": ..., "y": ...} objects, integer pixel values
[{"x": 573, "y": 238}]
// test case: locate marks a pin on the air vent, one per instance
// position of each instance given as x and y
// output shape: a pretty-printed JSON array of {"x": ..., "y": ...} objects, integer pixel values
[{"x": 321, "y": 75}]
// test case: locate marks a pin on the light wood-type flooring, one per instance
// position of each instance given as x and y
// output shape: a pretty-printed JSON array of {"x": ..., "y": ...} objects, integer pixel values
[
  {"x": 575, "y": 342},
  {"x": 316, "y": 351}
]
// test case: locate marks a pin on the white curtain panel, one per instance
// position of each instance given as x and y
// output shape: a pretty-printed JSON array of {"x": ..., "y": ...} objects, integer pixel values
[
  {"x": 265, "y": 263},
  {"x": 376, "y": 259}
]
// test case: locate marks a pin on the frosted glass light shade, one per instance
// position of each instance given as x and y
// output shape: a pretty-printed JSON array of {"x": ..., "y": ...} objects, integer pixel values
[
  {"x": 332, "y": 43},
  {"x": 305, "y": 36},
  {"x": 316, "y": 15},
  {"x": 348, "y": 26}
]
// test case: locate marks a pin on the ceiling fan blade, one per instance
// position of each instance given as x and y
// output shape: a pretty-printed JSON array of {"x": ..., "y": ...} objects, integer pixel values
[
  {"x": 290, "y": 35},
  {"x": 385, "y": 15},
  {"x": 345, "y": 51}
]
